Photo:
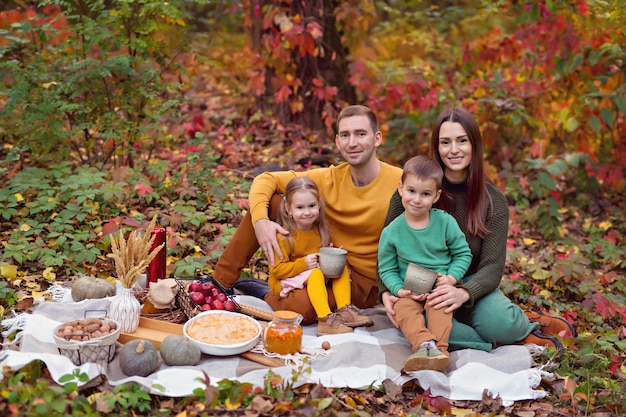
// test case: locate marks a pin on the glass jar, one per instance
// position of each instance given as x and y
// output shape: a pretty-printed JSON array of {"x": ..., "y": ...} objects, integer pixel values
[{"x": 283, "y": 335}]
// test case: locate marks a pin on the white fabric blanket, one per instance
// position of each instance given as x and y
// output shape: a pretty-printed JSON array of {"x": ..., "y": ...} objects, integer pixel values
[{"x": 364, "y": 358}]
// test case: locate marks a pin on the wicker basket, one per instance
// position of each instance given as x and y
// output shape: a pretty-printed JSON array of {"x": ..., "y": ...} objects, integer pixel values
[
  {"x": 191, "y": 309},
  {"x": 100, "y": 349},
  {"x": 184, "y": 301}
]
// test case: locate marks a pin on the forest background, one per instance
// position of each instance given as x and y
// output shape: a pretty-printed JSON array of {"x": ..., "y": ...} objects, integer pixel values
[{"x": 114, "y": 111}]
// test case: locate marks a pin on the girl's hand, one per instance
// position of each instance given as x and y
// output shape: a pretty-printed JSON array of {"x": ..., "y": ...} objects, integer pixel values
[
  {"x": 311, "y": 261},
  {"x": 448, "y": 297}
]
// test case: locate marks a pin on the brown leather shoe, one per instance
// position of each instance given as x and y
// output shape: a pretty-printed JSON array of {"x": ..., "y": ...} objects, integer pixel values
[
  {"x": 332, "y": 324},
  {"x": 540, "y": 339},
  {"x": 553, "y": 326},
  {"x": 352, "y": 318}
]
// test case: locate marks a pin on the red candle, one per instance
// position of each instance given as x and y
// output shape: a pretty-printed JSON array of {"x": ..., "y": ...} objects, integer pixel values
[{"x": 156, "y": 268}]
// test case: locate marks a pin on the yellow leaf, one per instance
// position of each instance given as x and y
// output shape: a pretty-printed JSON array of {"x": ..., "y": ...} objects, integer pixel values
[
  {"x": 479, "y": 92},
  {"x": 19, "y": 197},
  {"x": 545, "y": 293},
  {"x": 350, "y": 402},
  {"x": 50, "y": 84},
  {"x": 231, "y": 406},
  {"x": 360, "y": 399},
  {"x": 24, "y": 227},
  {"x": 606, "y": 225},
  {"x": 8, "y": 271},
  {"x": 38, "y": 294},
  {"x": 529, "y": 241},
  {"x": 48, "y": 274}
]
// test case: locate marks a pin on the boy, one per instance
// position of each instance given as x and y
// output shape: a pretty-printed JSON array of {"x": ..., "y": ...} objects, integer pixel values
[{"x": 432, "y": 239}]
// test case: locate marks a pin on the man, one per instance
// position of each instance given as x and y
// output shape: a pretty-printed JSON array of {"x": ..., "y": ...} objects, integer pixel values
[{"x": 356, "y": 195}]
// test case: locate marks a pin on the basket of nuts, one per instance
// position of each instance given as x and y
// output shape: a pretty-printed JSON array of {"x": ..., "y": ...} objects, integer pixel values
[{"x": 87, "y": 340}]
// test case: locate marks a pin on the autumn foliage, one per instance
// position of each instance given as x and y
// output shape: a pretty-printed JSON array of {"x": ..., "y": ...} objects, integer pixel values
[{"x": 112, "y": 112}]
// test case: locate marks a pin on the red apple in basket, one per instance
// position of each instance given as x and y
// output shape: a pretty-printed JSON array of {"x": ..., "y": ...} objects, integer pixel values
[
  {"x": 208, "y": 299},
  {"x": 230, "y": 305},
  {"x": 206, "y": 307},
  {"x": 217, "y": 305},
  {"x": 215, "y": 291},
  {"x": 207, "y": 288},
  {"x": 197, "y": 297},
  {"x": 195, "y": 287},
  {"x": 221, "y": 296}
]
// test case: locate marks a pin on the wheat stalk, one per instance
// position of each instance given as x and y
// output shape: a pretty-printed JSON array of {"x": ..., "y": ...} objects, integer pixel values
[{"x": 133, "y": 256}]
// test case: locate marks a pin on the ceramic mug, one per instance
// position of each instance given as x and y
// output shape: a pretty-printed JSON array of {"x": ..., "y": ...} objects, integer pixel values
[
  {"x": 332, "y": 261},
  {"x": 418, "y": 279}
]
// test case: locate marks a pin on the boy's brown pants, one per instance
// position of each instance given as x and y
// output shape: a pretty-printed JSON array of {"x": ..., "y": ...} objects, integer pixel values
[{"x": 410, "y": 319}]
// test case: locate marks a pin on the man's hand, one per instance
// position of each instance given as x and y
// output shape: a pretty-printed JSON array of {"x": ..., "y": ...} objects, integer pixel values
[
  {"x": 389, "y": 300},
  {"x": 265, "y": 231}
]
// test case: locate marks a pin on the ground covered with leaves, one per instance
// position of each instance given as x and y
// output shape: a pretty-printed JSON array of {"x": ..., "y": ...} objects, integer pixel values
[{"x": 579, "y": 277}]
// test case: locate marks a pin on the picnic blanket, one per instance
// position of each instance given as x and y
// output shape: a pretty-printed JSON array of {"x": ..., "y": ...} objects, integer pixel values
[{"x": 358, "y": 360}]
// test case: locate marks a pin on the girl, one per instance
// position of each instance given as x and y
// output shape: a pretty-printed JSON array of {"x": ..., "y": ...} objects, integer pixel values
[{"x": 302, "y": 214}]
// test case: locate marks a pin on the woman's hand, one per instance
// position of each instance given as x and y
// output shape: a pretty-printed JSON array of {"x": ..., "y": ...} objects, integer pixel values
[
  {"x": 311, "y": 261},
  {"x": 448, "y": 297},
  {"x": 265, "y": 231}
]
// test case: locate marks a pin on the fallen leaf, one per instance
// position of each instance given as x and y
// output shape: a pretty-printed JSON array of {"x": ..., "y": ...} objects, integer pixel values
[{"x": 8, "y": 271}]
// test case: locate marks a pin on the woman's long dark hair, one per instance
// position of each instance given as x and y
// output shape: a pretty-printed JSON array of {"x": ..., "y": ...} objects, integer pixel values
[{"x": 478, "y": 200}]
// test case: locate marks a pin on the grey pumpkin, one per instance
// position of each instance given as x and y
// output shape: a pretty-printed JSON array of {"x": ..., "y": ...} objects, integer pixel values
[
  {"x": 91, "y": 287},
  {"x": 177, "y": 350},
  {"x": 139, "y": 357}
]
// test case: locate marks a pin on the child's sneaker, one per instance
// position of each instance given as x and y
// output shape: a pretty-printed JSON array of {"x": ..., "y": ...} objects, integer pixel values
[
  {"x": 352, "y": 318},
  {"x": 332, "y": 324},
  {"x": 427, "y": 357}
]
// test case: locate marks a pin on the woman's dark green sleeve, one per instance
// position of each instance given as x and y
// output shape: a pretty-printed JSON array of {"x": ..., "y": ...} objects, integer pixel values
[{"x": 395, "y": 209}]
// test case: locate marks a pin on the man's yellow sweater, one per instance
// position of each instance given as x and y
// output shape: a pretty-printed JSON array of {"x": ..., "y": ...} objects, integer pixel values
[{"x": 355, "y": 215}]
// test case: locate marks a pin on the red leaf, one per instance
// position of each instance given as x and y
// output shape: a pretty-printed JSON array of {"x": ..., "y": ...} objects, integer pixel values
[
  {"x": 434, "y": 404},
  {"x": 143, "y": 188},
  {"x": 111, "y": 226}
]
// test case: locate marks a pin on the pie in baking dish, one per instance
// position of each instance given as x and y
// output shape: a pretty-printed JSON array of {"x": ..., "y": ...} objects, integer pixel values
[{"x": 222, "y": 329}]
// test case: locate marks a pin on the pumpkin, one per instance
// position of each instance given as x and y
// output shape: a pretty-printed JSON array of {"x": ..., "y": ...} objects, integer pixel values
[
  {"x": 177, "y": 350},
  {"x": 92, "y": 287},
  {"x": 139, "y": 357}
]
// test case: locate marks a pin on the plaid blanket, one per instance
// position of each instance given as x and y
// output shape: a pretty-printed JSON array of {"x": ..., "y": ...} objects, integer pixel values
[{"x": 358, "y": 360}]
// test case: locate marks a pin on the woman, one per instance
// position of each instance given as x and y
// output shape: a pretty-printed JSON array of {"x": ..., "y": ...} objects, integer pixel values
[{"x": 483, "y": 316}]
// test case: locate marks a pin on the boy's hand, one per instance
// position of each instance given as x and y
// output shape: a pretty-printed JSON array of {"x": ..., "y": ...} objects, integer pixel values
[
  {"x": 445, "y": 280},
  {"x": 404, "y": 293}
]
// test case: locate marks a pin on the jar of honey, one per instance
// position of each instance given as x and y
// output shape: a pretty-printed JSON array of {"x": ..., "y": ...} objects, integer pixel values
[{"x": 283, "y": 335}]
